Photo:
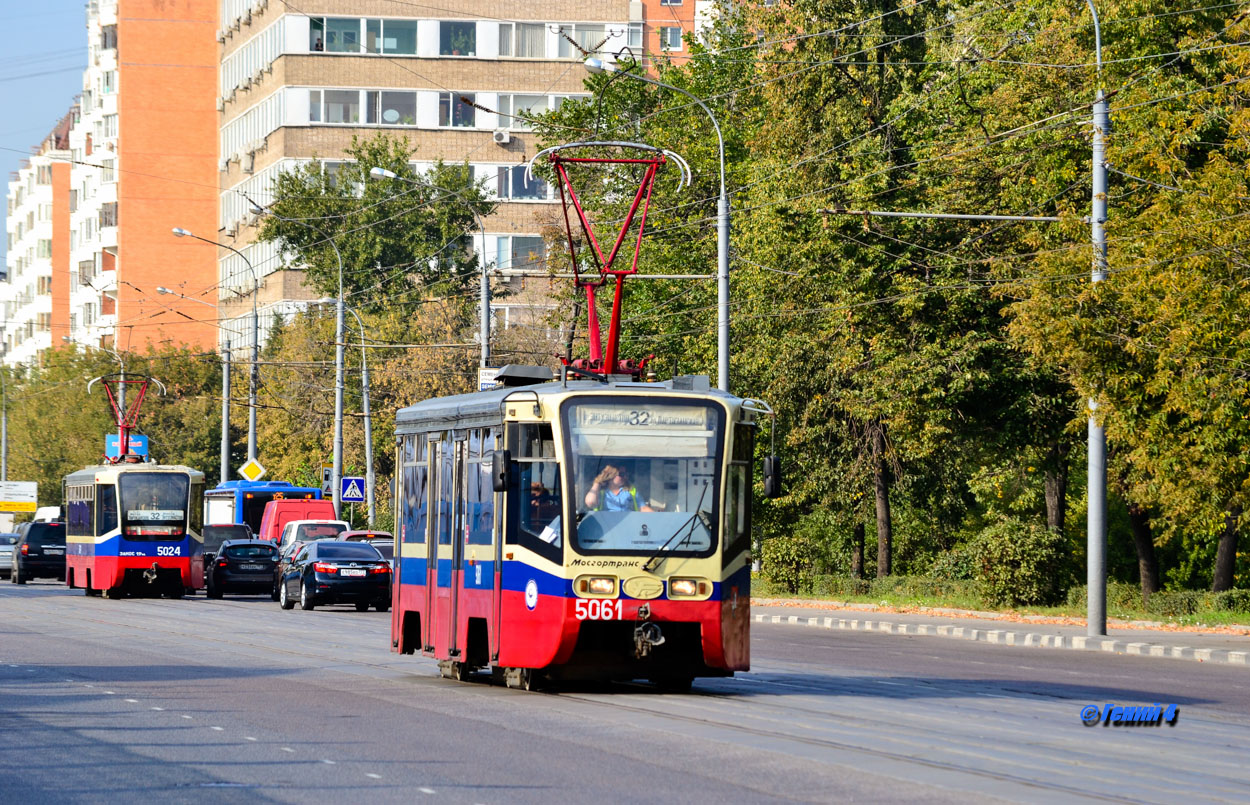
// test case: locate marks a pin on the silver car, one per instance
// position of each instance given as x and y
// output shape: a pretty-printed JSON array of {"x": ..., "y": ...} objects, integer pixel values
[{"x": 8, "y": 542}]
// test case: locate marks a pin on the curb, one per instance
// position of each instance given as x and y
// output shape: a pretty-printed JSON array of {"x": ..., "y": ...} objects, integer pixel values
[{"x": 1012, "y": 638}]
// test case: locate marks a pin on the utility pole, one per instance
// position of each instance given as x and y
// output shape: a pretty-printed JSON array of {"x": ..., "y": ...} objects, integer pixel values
[
  {"x": 225, "y": 412},
  {"x": 1096, "y": 493},
  {"x": 4, "y": 425}
]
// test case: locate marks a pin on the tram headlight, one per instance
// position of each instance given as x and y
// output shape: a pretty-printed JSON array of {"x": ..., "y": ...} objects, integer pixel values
[
  {"x": 687, "y": 588},
  {"x": 596, "y": 585}
]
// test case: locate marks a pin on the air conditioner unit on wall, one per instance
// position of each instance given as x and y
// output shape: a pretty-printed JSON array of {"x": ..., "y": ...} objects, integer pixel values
[{"x": 502, "y": 137}]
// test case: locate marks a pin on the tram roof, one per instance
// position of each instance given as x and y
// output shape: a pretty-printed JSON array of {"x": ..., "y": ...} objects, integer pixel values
[
  {"x": 87, "y": 475},
  {"x": 482, "y": 408}
]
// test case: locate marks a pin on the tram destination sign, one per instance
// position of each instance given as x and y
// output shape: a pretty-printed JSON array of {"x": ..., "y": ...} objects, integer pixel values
[
  {"x": 642, "y": 417},
  {"x": 19, "y": 496}
]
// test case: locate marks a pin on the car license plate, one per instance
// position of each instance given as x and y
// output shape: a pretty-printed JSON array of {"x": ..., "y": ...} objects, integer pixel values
[
  {"x": 347, "y": 571},
  {"x": 54, "y": 551},
  {"x": 251, "y": 567}
]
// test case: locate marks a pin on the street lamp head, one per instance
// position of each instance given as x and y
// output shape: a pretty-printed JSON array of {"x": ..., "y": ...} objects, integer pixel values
[
  {"x": 597, "y": 66},
  {"x": 382, "y": 173},
  {"x": 325, "y": 300},
  {"x": 161, "y": 289},
  {"x": 179, "y": 232}
]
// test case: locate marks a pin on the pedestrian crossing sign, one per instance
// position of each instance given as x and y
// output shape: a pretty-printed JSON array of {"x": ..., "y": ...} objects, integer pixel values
[{"x": 353, "y": 490}]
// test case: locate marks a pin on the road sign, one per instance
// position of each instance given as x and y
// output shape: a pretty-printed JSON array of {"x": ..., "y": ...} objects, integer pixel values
[
  {"x": 353, "y": 490},
  {"x": 327, "y": 475},
  {"x": 19, "y": 496},
  {"x": 252, "y": 470},
  {"x": 138, "y": 445},
  {"x": 486, "y": 378}
]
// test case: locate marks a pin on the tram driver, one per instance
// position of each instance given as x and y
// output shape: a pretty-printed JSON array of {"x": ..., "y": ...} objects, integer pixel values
[{"x": 611, "y": 491}]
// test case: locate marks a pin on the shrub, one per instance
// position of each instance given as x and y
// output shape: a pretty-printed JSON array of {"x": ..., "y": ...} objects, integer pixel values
[
  {"x": 789, "y": 562},
  {"x": 1018, "y": 563}
]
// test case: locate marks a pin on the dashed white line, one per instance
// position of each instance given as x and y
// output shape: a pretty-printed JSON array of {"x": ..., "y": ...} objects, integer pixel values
[
  {"x": 287, "y": 749},
  {"x": 249, "y": 738},
  {"x": 426, "y": 790},
  {"x": 132, "y": 701},
  {"x": 373, "y": 776},
  {"x": 327, "y": 762},
  {"x": 187, "y": 717},
  {"x": 161, "y": 709},
  {"x": 219, "y": 729},
  {"x": 109, "y": 693}
]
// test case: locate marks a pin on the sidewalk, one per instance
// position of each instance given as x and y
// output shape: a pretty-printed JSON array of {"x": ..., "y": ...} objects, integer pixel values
[{"x": 1210, "y": 644}]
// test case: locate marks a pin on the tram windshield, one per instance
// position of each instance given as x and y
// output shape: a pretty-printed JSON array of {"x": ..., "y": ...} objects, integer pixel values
[
  {"x": 646, "y": 474},
  {"x": 153, "y": 505}
]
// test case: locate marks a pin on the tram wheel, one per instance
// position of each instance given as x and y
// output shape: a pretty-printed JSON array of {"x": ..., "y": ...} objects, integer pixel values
[
  {"x": 521, "y": 678},
  {"x": 113, "y": 593}
]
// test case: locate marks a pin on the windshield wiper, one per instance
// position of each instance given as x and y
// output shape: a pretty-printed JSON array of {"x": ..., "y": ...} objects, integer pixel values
[{"x": 697, "y": 516}]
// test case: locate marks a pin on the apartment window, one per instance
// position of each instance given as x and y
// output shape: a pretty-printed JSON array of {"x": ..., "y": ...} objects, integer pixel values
[
  {"x": 45, "y": 212},
  {"x": 391, "y": 108},
  {"x": 108, "y": 214},
  {"x": 110, "y": 125},
  {"x": 670, "y": 2},
  {"x": 342, "y": 35},
  {"x": 512, "y": 183},
  {"x": 516, "y": 111},
  {"x": 522, "y": 253},
  {"x": 45, "y": 322},
  {"x": 108, "y": 82},
  {"x": 45, "y": 286},
  {"x": 399, "y": 37},
  {"x": 523, "y": 40},
  {"x": 45, "y": 248},
  {"x": 73, "y": 321},
  {"x": 87, "y": 96},
  {"x": 108, "y": 37},
  {"x": 107, "y": 173},
  {"x": 670, "y": 38},
  {"x": 457, "y": 38},
  {"x": 589, "y": 38},
  {"x": 73, "y": 201},
  {"x": 314, "y": 106},
  {"x": 455, "y": 109},
  {"x": 44, "y": 174},
  {"x": 342, "y": 106},
  {"x": 635, "y": 35}
]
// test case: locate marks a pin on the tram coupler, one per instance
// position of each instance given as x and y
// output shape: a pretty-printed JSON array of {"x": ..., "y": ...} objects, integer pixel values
[
  {"x": 151, "y": 574},
  {"x": 646, "y": 637}
]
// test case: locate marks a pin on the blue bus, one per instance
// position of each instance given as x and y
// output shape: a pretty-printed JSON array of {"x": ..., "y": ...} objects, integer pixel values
[{"x": 244, "y": 501}]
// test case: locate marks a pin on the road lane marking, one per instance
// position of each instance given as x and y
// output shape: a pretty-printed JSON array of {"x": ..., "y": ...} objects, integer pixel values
[
  {"x": 187, "y": 717},
  {"x": 109, "y": 693},
  {"x": 426, "y": 790},
  {"x": 132, "y": 701},
  {"x": 249, "y": 738},
  {"x": 374, "y": 776},
  {"x": 219, "y": 729},
  {"x": 162, "y": 709},
  {"x": 287, "y": 749},
  {"x": 327, "y": 762}
]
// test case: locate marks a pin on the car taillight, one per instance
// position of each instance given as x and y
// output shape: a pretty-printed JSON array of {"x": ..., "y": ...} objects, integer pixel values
[
  {"x": 222, "y": 563},
  {"x": 25, "y": 549},
  {"x": 379, "y": 570},
  {"x": 325, "y": 567}
]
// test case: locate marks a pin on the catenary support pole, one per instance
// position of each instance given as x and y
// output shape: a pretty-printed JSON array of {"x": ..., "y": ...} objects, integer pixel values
[
  {"x": 1096, "y": 519},
  {"x": 225, "y": 412}
]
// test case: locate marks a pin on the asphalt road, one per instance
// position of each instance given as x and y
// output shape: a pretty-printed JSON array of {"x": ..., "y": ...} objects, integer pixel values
[{"x": 238, "y": 701}]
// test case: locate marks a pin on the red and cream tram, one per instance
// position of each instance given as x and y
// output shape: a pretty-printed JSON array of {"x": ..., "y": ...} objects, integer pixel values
[{"x": 573, "y": 530}]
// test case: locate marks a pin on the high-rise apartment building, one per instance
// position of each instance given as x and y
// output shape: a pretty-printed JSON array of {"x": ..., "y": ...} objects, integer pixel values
[
  {"x": 34, "y": 297},
  {"x": 144, "y": 160},
  {"x": 298, "y": 84}
]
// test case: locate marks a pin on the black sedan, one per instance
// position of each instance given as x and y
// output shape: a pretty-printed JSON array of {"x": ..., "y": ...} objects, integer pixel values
[
  {"x": 40, "y": 552},
  {"x": 241, "y": 566},
  {"x": 333, "y": 572}
]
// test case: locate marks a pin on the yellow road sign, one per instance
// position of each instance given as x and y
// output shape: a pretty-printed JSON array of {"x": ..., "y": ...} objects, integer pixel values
[{"x": 252, "y": 470}]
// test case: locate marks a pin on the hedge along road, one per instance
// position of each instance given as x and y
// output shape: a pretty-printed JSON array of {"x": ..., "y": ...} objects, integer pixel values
[{"x": 156, "y": 700}]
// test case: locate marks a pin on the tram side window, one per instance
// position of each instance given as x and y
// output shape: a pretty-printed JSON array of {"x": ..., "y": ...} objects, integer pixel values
[
  {"x": 537, "y": 503},
  {"x": 197, "y": 508},
  {"x": 416, "y": 497},
  {"x": 446, "y": 490},
  {"x": 479, "y": 497},
  {"x": 738, "y": 495},
  {"x": 78, "y": 515},
  {"x": 106, "y": 510}
]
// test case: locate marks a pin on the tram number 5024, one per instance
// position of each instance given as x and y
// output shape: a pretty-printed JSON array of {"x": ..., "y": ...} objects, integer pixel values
[
  {"x": 597, "y": 609},
  {"x": 169, "y": 550}
]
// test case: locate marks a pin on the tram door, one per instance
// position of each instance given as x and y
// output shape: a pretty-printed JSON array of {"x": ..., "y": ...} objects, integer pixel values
[{"x": 446, "y": 548}]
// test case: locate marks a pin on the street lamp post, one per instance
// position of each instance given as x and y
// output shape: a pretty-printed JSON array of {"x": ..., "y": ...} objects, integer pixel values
[
  {"x": 722, "y": 223},
  {"x": 253, "y": 374},
  {"x": 336, "y": 472},
  {"x": 364, "y": 393},
  {"x": 484, "y": 324}
]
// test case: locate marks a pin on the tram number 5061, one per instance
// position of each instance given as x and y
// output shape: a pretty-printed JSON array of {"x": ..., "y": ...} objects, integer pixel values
[{"x": 597, "y": 609}]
